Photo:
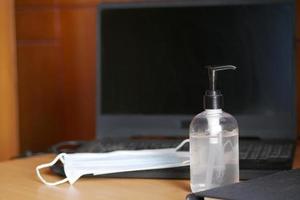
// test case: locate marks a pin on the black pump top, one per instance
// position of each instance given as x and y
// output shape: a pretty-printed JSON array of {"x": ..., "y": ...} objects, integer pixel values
[{"x": 213, "y": 99}]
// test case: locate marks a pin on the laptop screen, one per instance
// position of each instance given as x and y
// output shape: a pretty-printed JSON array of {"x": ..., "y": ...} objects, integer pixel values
[{"x": 152, "y": 74}]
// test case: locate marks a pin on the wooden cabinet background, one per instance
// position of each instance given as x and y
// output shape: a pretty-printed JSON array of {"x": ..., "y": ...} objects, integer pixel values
[{"x": 56, "y": 51}]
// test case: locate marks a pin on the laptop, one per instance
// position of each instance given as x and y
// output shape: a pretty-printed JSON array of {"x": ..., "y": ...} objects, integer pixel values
[{"x": 151, "y": 77}]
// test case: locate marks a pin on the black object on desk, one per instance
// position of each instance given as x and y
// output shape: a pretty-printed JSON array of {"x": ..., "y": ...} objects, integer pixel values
[{"x": 280, "y": 186}]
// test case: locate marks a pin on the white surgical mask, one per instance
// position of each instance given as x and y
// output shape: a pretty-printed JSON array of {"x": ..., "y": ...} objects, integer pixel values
[{"x": 79, "y": 164}]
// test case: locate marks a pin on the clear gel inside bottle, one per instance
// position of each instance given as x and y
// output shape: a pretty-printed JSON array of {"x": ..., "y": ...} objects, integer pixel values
[{"x": 214, "y": 151}]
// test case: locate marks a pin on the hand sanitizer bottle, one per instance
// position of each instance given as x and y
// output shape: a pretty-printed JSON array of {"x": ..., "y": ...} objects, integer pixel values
[{"x": 214, "y": 149}]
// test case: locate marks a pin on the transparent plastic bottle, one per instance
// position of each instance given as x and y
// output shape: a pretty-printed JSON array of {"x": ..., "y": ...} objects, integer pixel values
[
  {"x": 214, "y": 146},
  {"x": 214, "y": 150}
]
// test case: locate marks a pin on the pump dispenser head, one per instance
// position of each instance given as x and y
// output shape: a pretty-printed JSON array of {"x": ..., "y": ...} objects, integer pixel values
[{"x": 213, "y": 99}]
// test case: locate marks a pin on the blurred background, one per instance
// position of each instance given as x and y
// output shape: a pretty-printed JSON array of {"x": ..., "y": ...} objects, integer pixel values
[{"x": 48, "y": 72}]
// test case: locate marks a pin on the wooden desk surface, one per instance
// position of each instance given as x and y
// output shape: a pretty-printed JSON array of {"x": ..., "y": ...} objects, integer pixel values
[{"x": 18, "y": 181}]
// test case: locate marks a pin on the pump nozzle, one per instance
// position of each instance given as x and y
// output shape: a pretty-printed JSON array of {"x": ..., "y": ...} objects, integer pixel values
[{"x": 213, "y": 98}]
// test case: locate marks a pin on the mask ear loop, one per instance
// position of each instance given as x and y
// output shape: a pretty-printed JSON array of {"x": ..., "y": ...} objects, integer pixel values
[
  {"x": 46, "y": 165},
  {"x": 182, "y": 144}
]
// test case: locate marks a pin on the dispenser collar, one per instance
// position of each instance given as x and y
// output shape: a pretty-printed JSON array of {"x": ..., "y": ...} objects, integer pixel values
[{"x": 213, "y": 99}]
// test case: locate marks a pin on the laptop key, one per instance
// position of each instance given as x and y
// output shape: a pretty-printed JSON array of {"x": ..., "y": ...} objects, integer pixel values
[
  {"x": 276, "y": 152},
  {"x": 245, "y": 150},
  {"x": 286, "y": 151},
  {"x": 256, "y": 152},
  {"x": 265, "y": 152}
]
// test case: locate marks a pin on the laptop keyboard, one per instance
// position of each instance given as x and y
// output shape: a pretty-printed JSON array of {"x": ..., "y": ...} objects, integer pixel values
[
  {"x": 257, "y": 157},
  {"x": 254, "y": 154},
  {"x": 113, "y": 145},
  {"x": 265, "y": 151}
]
